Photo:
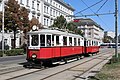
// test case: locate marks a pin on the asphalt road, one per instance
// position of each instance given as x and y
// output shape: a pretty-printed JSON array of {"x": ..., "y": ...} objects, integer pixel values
[{"x": 13, "y": 59}]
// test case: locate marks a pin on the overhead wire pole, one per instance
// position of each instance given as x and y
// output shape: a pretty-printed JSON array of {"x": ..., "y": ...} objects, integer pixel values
[
  {"x": 116, "y": 28},
  {"x": 3, "y": 26}
]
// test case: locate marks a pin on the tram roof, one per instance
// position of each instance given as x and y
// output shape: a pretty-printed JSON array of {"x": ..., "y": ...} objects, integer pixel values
[{"x": 55, "y": 32}]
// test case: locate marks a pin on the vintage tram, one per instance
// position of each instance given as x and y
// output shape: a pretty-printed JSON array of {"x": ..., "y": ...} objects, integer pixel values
[{"x": 46, "y": 46}]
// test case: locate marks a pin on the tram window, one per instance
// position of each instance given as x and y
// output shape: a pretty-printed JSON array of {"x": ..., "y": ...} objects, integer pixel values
[
  {"x": 70, "y": 41},
  {"x": 42, "y": 40},
  {"x": 78, "y": 42},
  {"x": 57, "y": 40},
  {"x": 64, "y": 41},
  {"x": 96, "y": 43},
  {"x": 48, "y": 40},
  {"x": 35, "y": 40},
  {"x": 92, "y": 43},
  {"x": 52, "y": 40},
  {"x": 75, "y": 43}
]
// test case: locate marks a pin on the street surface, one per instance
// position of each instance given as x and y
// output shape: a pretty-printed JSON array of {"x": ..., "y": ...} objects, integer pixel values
[
  {"x": 11, "y": 69},
  {"x": 13, "y": 59}
]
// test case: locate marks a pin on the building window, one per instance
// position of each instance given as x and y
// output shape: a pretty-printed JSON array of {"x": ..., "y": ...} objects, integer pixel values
[
  {"x": 47, "y": 22},
  {"x": 38, "y": 17},
  {"x": 53, "y": 3},
  {"x": 38, "y": 5},
  {"x": 44, "y": 9},
  {"x": 21, "y": 1},
  {"x": 51, "y": 22},
  {"x": 56, "y": 4},
  {"x": 33, "y": 15},
  {"x": 44, "y": 21},
  {"x": 50, "y": 1},
  {"x": 27, "y": 3},
  {"x": 54, "y": 12},
  {"x": 33, "y": 4},
  {"x": 51, "y": 11}
]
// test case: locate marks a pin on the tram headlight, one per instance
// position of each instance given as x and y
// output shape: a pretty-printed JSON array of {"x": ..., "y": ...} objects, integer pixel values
[{"x": 34, "y": 56}]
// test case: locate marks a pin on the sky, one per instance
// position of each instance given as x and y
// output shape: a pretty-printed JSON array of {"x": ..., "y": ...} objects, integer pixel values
[{"x": 107, "y": 22}]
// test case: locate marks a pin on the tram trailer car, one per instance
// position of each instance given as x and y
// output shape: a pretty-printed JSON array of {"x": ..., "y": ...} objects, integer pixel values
[
  {"x": 46, "y": 46},
  {"x": 91, "y": 46}
]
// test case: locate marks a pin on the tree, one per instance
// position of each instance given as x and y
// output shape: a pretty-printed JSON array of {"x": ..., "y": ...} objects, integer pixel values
[
  {"x": 71, "y": 26},
  {"x": 60, "y": 22},
  {"x": 16, "y": 18},
  {"x": 107, "y": 39},
  {"x": 12, "y": 8}
]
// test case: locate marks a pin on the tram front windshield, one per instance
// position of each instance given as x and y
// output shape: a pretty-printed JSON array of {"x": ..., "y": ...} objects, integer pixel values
[{"x": 35, "y": 40}]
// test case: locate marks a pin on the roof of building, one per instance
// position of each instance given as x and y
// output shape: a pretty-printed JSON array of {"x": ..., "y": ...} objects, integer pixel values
[
  {"x": 65, "y": 4},
  {"x": 87, "y": 21}
]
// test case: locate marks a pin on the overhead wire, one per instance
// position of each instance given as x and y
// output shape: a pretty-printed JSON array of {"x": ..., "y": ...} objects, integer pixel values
[
  {"x": 101, "y": 6},
  {"x": 89, "y": 7},
  {"x": 94, "y": 13}
]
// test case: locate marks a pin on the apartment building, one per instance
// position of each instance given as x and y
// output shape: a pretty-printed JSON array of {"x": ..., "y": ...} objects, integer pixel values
[
  {"x": 47, "y": 10},
  {"x": 44, "y": 10},
  {"x": 90, "y": 28}
]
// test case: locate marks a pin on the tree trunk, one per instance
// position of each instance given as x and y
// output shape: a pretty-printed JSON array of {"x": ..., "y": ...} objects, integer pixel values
[{"x": 14, "y": 29}]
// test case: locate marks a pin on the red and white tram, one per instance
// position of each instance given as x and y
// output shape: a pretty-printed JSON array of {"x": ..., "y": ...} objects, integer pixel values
[
  {"x": 91, "y": 46},
  {"x": 46, "y": 46}
]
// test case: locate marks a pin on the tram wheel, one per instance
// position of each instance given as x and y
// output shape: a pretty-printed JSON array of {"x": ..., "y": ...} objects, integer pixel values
[{"x": 65, "y": 60}]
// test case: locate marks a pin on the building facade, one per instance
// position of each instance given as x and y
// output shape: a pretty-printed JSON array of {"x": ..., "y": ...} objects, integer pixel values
[
  {"x": 47, "y": 10},
  {"x": 90, "y": 29},
  {"x": 44, "y": 10}
]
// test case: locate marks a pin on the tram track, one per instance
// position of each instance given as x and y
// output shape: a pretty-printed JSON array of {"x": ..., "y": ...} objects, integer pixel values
[
  {"x": 88, "y": 70},
  {"x": 38, "y": 70},
  {"x": 12, "y": 69},
  {"x": 71, "y": 68}
]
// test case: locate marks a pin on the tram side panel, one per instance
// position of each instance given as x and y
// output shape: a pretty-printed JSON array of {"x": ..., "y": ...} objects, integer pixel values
[
  {"x": 94, "y": 49},
  {"x": 67, "y": 51},
  {"x": 50, "y": 52},
  {"x": 56, "y": 52},
  {"x": 72, "y": 50}
]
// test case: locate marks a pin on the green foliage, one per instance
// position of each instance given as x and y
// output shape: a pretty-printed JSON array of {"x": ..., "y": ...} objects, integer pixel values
[
  {"x": 12, "y": 52},
  {"x": 71, "y": 26},
  {"x": 107, "y": 39},
  {"x": 1, "y": 53},
  {"x": 60, "y": 22},
  {"x": 16, "y": 17}
]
